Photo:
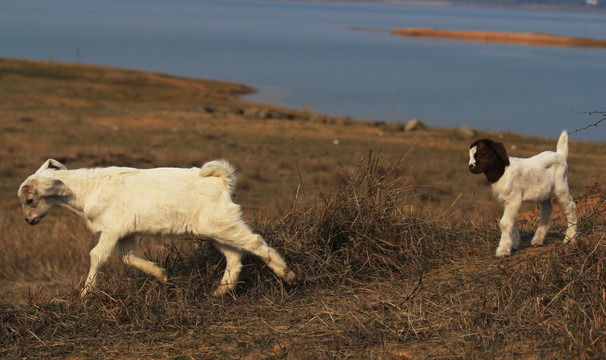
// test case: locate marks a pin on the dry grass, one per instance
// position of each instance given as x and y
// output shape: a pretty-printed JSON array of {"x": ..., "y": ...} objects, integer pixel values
[
  {"x": 375, "y": 282},
  {"x": 395, "y": 258}
]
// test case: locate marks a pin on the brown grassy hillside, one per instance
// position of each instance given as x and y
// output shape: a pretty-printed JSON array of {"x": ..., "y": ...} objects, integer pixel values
[{"x": 391, "y": 235}]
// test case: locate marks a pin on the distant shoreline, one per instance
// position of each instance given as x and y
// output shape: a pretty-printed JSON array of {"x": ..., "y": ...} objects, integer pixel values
[
  {"x": 471, "y": 4},
  {"x": 503, "y": 37}
]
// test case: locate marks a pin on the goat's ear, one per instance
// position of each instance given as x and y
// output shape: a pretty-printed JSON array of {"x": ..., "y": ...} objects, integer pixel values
[
  {"x": 48, "y": 186},
  {"x": 51, "y": 164},
  {"x": 499, "y": 149}
]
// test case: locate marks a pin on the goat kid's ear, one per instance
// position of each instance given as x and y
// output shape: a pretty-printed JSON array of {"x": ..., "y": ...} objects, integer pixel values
[
  {"x": 51, "y": 164},
  {"x": 499, "y": 149},
  {"x": 52, "y": 187}
]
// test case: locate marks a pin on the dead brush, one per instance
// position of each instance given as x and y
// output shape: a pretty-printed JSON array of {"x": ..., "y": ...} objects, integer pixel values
[{"x": 362, "y": 230}]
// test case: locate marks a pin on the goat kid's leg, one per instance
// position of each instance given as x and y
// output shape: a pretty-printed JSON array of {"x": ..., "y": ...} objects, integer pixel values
[
  {"x": 508, "y": 228},
  {"x": 127, "y": 252},
  {"x": 241, "y": 237},
  {"x": 569, "y": 208},
  {"x": 515, "y": 236},
  {"x": 233, "y": 266},
  {"x": 256, "y": 245},
  {"x": 566, "y": 202},
  {"x": 545, "y": 210},
  {"x": 98, "y": 256}
]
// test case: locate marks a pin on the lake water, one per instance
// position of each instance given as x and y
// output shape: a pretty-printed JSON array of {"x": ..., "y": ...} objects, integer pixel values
[{"x": 304, "y": 55}]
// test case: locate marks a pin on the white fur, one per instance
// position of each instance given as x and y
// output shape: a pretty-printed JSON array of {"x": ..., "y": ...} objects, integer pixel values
[
  {"x": 537, "y": 179},
  {"x": 121, "y": 203}
]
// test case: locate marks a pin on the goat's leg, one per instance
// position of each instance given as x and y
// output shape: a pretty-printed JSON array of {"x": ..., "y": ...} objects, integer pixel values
[
  {"x": 515, "y": 237},
  {"x": 98, "y": 256},
  {"x": 233, "y": 266},
  {"x": 545, "y": 210},
  {"x": 239, "y": 236},
  {"x": 127, "y": 252},
  {"x": 566, "y": 202},
  {"x": 256, "y": 245},
  {"x": 569, "y": 209},
  {"x": 508, "y": 226}
]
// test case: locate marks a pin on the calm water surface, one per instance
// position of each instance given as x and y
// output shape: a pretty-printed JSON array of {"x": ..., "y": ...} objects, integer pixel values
[{"x": 304, "y": 55}]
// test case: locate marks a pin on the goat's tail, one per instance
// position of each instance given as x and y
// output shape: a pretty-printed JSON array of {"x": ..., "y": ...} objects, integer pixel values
[
  {"x": 562, "y": 147},
  {"x": 222, "y": 169}
]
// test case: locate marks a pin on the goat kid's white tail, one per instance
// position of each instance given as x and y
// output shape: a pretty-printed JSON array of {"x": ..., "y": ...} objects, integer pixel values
[
  {"x": 562, "y": 147},
  {"x": 223, "y": 169}
]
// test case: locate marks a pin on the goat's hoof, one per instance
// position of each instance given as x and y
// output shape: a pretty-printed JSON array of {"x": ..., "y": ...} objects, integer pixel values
[
  {"x": 85, "y": 291},
  {"x": 221, "y": 291},
  {"x": 163, "y": 276},
  {"x": 503, "y": 252},
  {"x": 291, "y": 278},
  {"x": 568, "y": 241},
  {"x": 536, "y": 242}
]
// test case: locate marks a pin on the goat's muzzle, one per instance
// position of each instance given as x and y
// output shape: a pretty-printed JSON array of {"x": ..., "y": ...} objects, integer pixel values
[
  {"x": 32, "y": 221},
  {"x": 474, "y": 169}
]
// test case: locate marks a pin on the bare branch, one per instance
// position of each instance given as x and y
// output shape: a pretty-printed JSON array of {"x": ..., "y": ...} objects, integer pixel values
[{"x": 590, "y": 113}]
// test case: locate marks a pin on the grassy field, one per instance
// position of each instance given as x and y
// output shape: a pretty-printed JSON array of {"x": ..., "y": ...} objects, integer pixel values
[{"x": 391, "y": 236}]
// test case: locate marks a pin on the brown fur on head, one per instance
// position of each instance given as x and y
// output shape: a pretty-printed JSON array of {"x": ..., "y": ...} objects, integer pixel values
[
  {"x": 40, "y": 192},
  {"x": 488, "y": 157}
]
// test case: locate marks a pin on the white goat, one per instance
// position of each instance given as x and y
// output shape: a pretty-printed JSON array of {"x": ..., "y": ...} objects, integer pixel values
[
  {"x": 537, "y": 179},
  {"x": 121, "y": 203}
]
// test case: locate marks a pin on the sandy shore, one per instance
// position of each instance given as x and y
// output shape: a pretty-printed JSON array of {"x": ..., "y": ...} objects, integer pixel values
[{"x": 500, "y": 37}]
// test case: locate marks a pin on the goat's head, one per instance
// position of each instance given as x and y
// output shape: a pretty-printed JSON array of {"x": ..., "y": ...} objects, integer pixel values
[
  {"x": 488, "y": 157},
  {"x": 40, "y": 192}
]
